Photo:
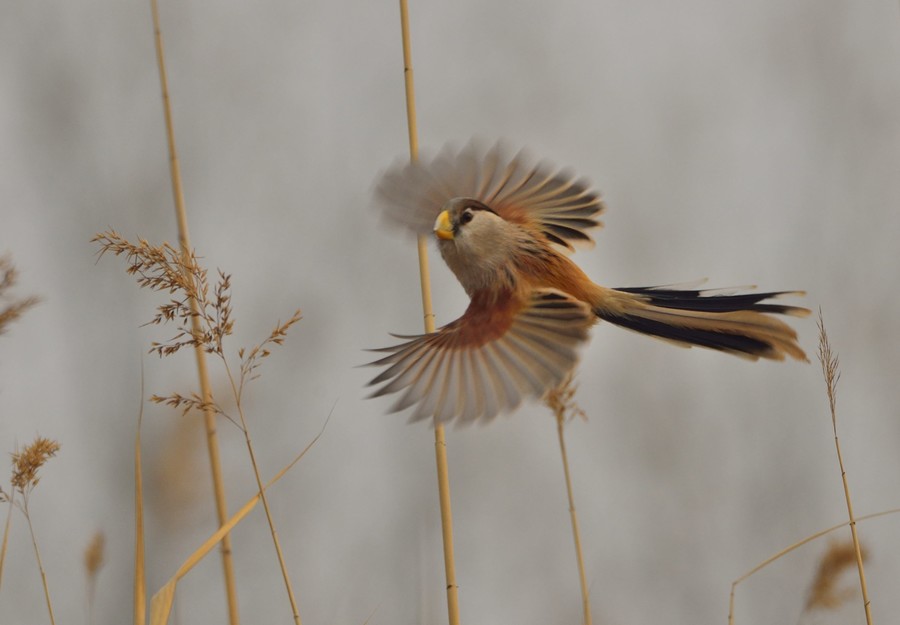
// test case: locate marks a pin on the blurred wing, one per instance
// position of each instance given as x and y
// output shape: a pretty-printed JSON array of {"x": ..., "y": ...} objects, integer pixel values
[
  {"x": 489, "y": 359},
  {"x": 553, "y": 201}
]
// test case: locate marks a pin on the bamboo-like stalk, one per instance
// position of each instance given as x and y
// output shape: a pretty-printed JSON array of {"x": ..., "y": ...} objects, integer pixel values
[
  {"x": 209, "y": 415},
  {"x": 440, "y": 442},
  {"x": 576, "y": 533},
  {"x": 832, "y": 373}
]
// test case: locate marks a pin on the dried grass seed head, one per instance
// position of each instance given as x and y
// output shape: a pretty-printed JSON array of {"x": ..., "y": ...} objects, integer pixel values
[
  {"x": 561, "y": 400},
  {"x": 94, "y": 554},
  {"x": 17, "y": 307},
  {"x": 824, "y": 592},
  {"x": 27, "y": 462}
]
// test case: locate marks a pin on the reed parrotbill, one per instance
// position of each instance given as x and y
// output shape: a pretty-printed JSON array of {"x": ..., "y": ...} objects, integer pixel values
[{"x": 503, "y": 226}]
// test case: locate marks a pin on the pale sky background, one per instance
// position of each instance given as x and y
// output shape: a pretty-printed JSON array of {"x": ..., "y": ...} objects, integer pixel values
[{"x": 750, "y": 143}]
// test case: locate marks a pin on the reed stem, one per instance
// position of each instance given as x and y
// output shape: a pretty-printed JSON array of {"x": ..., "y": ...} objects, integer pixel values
[
  {"x": 209, "y": 415},
  {"x": 576, "y": 533},
  {"x": 831, "y": 372},
  {"x": 440, "y": 442},
  {"x": 37, "y": 555}
]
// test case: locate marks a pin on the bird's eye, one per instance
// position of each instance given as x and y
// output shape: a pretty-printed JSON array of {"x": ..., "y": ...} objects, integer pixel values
[{"x": 466, "y": 217}]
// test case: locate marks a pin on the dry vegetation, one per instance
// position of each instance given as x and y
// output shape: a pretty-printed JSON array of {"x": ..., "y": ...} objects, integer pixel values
[{"x": 202, "y": 316}]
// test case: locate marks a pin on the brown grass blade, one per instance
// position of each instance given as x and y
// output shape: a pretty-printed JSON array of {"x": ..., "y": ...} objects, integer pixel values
[{"x": 161, "y": 603}]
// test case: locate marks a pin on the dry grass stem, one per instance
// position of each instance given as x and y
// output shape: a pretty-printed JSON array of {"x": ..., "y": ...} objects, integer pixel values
[
  {"x": 794, "y": 547},
  {"x": 161, "y": 603},
  {"x": 824, "y": 593},
  {"x": 5, "y": 544},
  {"x": 26, "y": 464},
  {"x": 832, "y": 374},
  {"x": 139, "y": 586},
  {"x": 561, "y": 400},
  {"x": 15, "y": 308},
  {"x": 204, "y": 318}
]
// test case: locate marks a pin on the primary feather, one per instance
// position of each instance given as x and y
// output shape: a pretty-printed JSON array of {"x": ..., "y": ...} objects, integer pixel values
[{"x": 562, "y": 207}]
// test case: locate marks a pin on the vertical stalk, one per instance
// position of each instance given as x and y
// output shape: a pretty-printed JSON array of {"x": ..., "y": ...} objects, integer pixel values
[
  {"x": 832, "y": 373},
  {"x": 37, "y": 555},
  {"x": 295, "y": 611},
  {"x": 440, "y": 443},
  {"x": 576, "y": 533},
  {"x": 209, "y": 415}
]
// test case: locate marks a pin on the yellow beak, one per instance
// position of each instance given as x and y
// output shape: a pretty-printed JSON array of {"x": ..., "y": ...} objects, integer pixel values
[{"x": 442, "y": 226}]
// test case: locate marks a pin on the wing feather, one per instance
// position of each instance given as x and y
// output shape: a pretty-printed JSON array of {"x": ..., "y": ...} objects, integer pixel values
[
  {"x": 554, "y": 202},
  {"x": 466, "y": 372}
]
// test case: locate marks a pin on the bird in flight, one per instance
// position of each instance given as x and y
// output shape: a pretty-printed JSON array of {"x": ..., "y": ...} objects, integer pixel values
[{"x": 505, "y": 225}]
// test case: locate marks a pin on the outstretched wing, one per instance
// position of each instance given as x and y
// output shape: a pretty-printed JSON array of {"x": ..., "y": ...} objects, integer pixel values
[
  {"x": 553, "y": 201},
  {"x": 488, "y": 360}
]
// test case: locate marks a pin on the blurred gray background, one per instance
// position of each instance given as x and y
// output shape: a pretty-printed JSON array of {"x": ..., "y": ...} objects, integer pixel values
[{"x": 750, "y": 143}]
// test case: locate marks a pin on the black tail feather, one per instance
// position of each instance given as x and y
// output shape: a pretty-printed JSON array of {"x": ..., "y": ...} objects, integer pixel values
[
  {"x": 706, "y": 300},
  {"x": 741, "y": 324},
  {"x": 721, "y": 341}
]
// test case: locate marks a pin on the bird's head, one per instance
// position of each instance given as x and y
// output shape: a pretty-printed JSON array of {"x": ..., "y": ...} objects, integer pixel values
[{"x": 476, "y": 242}]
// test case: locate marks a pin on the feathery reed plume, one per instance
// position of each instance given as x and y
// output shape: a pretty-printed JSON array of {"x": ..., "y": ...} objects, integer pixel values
[
  {"x": 94, "y": 556},
  {"x": 203, "y": 316},
  {"x": 16, "y": 307},
  {"x": 26, "y": 464},
  {"x": 561, "y": 400},
  {"x": 824, "y": 593},
  {"x": 832, "y": 373}
]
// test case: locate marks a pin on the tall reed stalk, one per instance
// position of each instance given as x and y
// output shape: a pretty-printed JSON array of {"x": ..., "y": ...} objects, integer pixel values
[
  {"x": 561, "y": 401},
  {"x": 209, "y": 415},
  {"x": 440, "y": 442}
]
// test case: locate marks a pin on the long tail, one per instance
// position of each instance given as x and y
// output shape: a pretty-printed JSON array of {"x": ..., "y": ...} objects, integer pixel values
[{"x": 740, "y": 324}]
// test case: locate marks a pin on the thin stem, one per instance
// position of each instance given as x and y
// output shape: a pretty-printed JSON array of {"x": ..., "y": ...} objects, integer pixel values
[
  {"x": 831, "y": 373},
  {"x": 262, "y": 495},
  {"x": 37, "y": 555},
  {"x": 209, "y": 415},
  {"x": 867, "y": 604},
  {"x": 6, "y": 533},
  {"x": 576, "y": 533},
  {"x": 440, "y": 442},
  {"x": 140, "y": 572},
  {"x": 791, "y": 548}
]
